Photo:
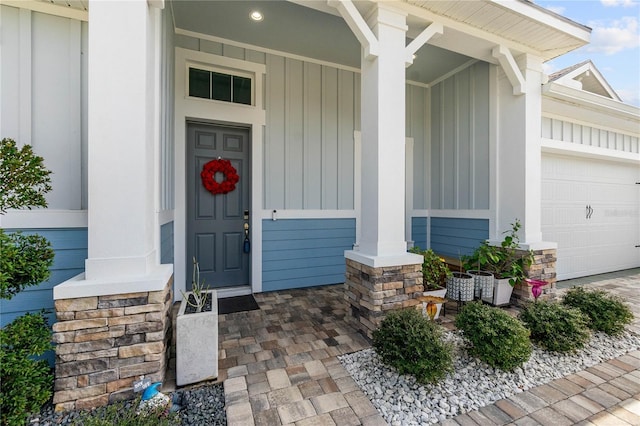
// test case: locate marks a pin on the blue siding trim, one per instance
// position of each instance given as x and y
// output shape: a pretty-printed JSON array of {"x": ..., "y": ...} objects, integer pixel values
[
  {"x": 419, "y": 232},
  {"x": 70, "y": 246},
  {"x": 300, "y": 253},
  {"x": 456, "y": 237},
  {"x": 166, "y": 243}
]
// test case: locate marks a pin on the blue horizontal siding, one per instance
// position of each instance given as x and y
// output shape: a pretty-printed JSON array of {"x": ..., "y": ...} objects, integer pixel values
[
  {"x": 456, "y": 237},
  {"x": 166, "y": 243},
  {"x": 300, "y": 253},
  {"x": 70, "y": 247},
  {"x": 419, "y": 231}
]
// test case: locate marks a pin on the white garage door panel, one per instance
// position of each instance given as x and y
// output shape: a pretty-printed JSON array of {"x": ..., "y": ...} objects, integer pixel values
[{"x": 604, "y": 242}]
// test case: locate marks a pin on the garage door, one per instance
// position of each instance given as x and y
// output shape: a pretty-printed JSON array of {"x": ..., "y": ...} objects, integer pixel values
[{"x": 591, "y": 208}]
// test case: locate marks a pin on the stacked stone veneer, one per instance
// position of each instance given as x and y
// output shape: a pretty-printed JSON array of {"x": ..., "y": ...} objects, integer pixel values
[
  {"x": 373, "y": 292},
  {"x": 104, "y": 343},
  {"x": 542, "y": 268}
]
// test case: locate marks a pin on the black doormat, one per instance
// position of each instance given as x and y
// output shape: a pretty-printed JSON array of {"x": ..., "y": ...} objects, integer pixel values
[{"x": 230, "y": 305}]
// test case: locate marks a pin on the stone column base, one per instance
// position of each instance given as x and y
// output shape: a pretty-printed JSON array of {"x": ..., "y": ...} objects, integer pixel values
[
  {"x": 106, "y": 342},
  {"x": 543, "y": 268},
  {"x": 373, "y": 292}
]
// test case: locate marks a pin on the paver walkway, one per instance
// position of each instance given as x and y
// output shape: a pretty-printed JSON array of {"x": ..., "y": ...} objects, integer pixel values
[{"x": 279, "y": 366}]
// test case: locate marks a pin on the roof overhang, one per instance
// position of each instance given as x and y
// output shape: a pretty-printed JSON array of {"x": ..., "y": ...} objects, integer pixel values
[{"x": 562, "y": 100}]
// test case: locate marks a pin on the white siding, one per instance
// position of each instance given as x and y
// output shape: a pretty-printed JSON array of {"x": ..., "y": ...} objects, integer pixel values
[
  {"x": 566, "y": 131},
  {"x": 42, "y": 81},
  {"x": 459, "y": 145}
]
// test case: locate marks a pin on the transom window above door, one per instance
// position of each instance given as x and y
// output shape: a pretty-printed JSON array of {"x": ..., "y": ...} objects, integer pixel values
[{"x": 220, "y": 86}]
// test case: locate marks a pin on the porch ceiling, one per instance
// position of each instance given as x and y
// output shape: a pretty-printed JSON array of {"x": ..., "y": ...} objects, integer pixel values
[{"x": 303, "y": 29}]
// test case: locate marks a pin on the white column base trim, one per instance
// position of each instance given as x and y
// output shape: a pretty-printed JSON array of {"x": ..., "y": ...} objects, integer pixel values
[
  {"x": 116, "y": 267},
  {"x": 384, "y": 261},
  {"x": 78, "y": 286}
]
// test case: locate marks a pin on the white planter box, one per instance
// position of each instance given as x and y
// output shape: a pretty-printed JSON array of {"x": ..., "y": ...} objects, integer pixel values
[
  {"x": 501, "y": 293},
  {"x": 197, "y": 343}
]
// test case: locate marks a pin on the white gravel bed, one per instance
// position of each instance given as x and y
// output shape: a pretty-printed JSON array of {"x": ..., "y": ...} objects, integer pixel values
[{"x": 400, "y": 400}]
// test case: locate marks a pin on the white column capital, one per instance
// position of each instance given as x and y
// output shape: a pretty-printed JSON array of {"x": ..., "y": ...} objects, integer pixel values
[{"x": 386, "y": 14}]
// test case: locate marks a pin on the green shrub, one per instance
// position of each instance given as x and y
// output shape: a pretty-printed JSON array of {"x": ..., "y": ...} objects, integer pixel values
[
  {"x": 556, "y": 327},
  {"x": 25, "y": 261},
  {"x": 118, "y": 414},
  {"x": 24, "y": 180},
  {"x": 496, "y": 338},
  {"x": 25, "y": 383},
  {"x": 606, "y": 312},
  {"x": 413, "y": 345}
]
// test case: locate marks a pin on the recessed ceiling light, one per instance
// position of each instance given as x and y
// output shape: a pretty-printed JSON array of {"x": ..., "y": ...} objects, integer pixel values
[{"x": 256, "y": 16}]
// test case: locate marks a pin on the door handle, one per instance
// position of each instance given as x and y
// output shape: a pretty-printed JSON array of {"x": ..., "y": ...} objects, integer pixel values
[
  {"x": 589, "y": 212},
  {"x": 246, "y": 247}
]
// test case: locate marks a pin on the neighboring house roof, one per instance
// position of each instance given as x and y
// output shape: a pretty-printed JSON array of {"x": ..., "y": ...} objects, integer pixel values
[{"x": 585, "y": 76}]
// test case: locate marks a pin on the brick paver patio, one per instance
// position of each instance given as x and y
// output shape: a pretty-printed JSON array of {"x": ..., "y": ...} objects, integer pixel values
[{"x": 279, "y": 366}]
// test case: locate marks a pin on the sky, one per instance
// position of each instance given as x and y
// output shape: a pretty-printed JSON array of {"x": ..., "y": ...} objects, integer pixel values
[{"x": 615, "y": 41}]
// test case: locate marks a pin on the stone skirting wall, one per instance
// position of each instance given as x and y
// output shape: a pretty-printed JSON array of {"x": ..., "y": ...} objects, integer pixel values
[
  {"x": 542, "y": 268},
  {"x": 104, "y": 343},
  {"x": 372, "y": 292}
]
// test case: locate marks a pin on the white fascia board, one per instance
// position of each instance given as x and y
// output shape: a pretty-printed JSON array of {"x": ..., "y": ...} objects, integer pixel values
[
  {"x": 546, "y": 17},
  {"x": 43, "y": 218},
  {"x": 587, "y": 151},
  {"x": 433, "y": 31},
  {"x": 358, "y": 26},
  {"x": 48, "y": 8},
  {"x": 508, "y": 64},
  {"x": 591, "y": 101}
]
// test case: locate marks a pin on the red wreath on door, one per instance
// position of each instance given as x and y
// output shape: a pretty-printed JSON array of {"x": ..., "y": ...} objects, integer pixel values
[{"x": 208, "y": 176}]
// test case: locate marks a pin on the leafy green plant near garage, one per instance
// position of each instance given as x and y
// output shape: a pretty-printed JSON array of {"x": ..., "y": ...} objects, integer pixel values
[{"x": 26, "y": 382}]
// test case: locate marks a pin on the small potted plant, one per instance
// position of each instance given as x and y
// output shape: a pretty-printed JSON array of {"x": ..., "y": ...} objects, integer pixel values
[
  {"x": 507, "y": 262},
  {"x": 197, "y": 333},
  {"x": 434, "y": 276}
]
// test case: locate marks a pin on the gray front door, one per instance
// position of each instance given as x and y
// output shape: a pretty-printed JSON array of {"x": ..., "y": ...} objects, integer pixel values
[{"x": 215, "y": 223}]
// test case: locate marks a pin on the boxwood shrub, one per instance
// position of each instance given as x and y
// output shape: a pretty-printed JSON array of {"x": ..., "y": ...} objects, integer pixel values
[
  {"x": 556, "y": 327},
  {"x": 606, "y": 312},
  {"x": 497, "y": 338},
  {"x": 413, "y": 345}
]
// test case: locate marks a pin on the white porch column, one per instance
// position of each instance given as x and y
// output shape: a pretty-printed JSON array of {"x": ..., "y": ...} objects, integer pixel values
[
  {"x": 519, "y": 157},
  {"x": 383, "y": 143},
  {"x": 121, "y": 139},
  {"x": 123, "y": 123}
]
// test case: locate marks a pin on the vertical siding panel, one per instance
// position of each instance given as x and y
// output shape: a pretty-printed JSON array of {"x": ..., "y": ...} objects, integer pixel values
[
  {"x": 274, "y": 143},
  {"x": 448, "y": 124},
  {"x": 294, "y": 134},
  {"x": 312, "y": 136},
  {"x": 481, "y": 136},
  {"x": 576, "y": 133},
  {"x": 329, "y": 138},
  {"x": 556, "y": 132},
  {"x": 212, "y": 47},
  {"x": 253, "y": 56},
  {"x": 10, "y": 73},
  {"x": 232, "y": 51},
  {"x": 345, "y": 139},
  {"x": 357, "y": 99},
  {"x": 465, "y": 133},
  {"x": 566, "y": 131},
  {"x": 416, "y": 109},
  {"x": 546, "y": 128},
  {"x": 56, "y": 117},
  {"x": 436, "y": 147}
]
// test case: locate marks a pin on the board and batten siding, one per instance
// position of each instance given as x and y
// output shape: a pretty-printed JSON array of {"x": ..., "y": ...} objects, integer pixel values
[
  {"x": 300, "y": 253},
  {"x": 457, "y": 237},
  {"x": 566, "y": 131},
  {"x": 70, "y": 247},
  {"x": 417, "y": 127},
  {"x": 460, "y": 140},
  {"x": 43, "y": 96},
  {"x": 309, "y": 140}
]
